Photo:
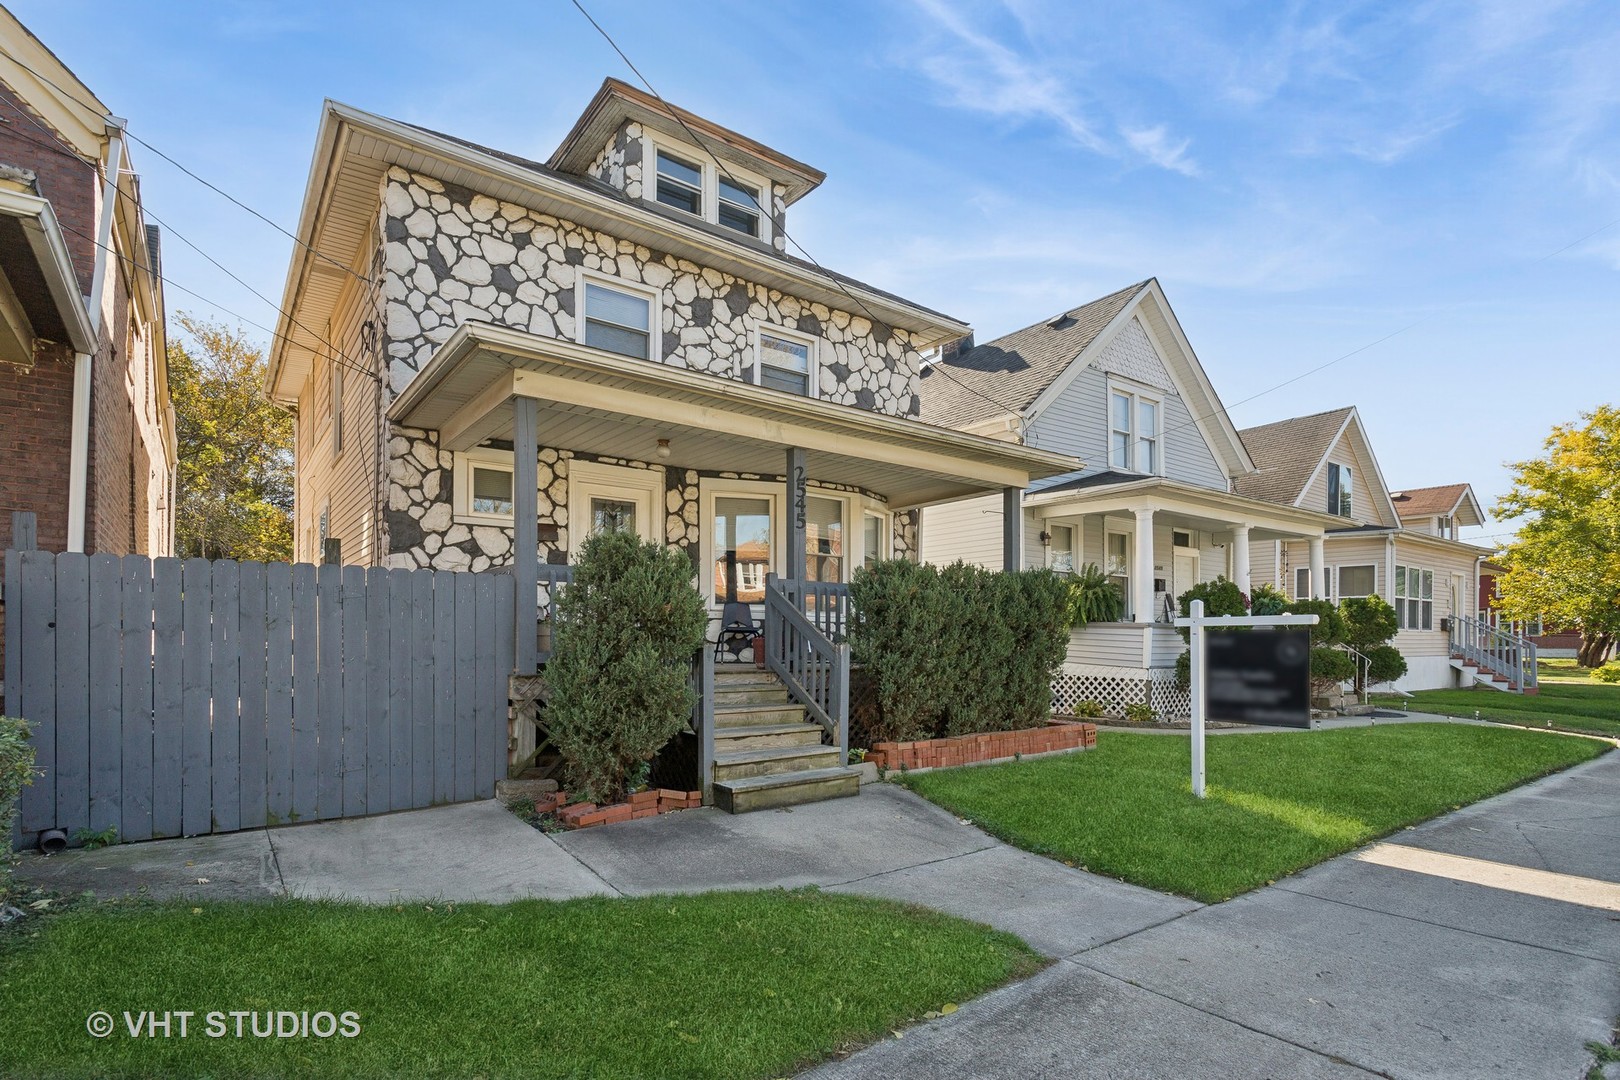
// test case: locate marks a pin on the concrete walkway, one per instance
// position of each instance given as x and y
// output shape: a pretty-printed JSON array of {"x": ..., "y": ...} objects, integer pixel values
[{"x": 1392, "y": 961}]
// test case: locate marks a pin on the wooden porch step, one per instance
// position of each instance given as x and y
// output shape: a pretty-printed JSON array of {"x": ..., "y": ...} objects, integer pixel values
[
  {"x": 751, "y": 694},
  {"x": 772, "y": 761},
  {"x": 727, "y": 739},
  {"x": 749, "y": 714},
  {"x": 786, "y": 789}
]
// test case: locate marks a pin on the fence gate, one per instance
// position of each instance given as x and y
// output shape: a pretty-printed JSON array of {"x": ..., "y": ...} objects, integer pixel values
[{"x": 173, "y": 697}]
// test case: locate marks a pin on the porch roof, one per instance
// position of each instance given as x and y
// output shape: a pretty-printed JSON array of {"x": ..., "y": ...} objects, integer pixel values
[
  {"x": 602, "y": 403},
  {"x": 1189, "y": 504},
  {"x": 39, "y": 271}
]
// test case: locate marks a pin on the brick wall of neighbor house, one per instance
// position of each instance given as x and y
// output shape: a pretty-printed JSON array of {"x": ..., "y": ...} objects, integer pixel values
[
  {"x": 450, "y": 256},
  {"x": 61, "y": 175}
]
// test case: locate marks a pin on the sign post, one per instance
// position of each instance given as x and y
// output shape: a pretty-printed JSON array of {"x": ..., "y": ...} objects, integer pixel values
[{"x": 1196, "y": 623}]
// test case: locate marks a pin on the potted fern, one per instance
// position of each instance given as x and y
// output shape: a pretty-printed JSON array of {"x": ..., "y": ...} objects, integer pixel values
[{"x": 1093, "y": 598}]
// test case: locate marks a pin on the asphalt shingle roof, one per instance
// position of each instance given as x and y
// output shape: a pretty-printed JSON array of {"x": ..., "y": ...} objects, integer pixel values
[
  {"x": 1422, "y": 502},
  {"x": 1009, "y": 373},
  {"x": 1286, "y": 453}
]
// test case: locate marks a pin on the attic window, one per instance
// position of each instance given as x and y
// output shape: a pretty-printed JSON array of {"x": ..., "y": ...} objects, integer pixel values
[
  {"x": 739, "y": 207},
  {"x": 680, "y": 184}
]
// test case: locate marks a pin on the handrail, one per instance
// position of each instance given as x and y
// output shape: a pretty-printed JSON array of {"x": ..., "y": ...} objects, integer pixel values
[
  {"x": 824, "y": 603},
  {"x": 1493, "y": 649},
  {"x": 811, "y": 664},
  {"x": 1363, "y": 675}
]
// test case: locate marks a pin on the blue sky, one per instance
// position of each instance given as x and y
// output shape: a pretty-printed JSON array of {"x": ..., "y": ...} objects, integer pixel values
[{"x": 1304, "y": 179}]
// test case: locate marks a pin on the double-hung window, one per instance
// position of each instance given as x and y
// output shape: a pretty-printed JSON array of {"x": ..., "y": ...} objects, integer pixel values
[
  {"x": 617, "y": 320},
  {"x": 824, "y": 539},
  {"x": 1357, "y": 581},
  {"x": 1060, "y": 555},
  {"x": 1445, "y": 525},
  {"x": 738, "y": 207},
  {"x": 1414, "y": 597},
  {"x": 680, "y": 184},
  {"x": 1339, "y": 484},
  {"x": 872, "y": 539},
  {"x": 1117, "y": 565},
  {"x": 483, "y": 486},
  {"x": 785, "y": 362},
  {"x": 1133, "y": 432}
]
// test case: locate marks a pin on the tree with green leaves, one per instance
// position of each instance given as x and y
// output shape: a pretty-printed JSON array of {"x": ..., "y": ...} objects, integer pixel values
[
  {"x": 1564, "y": 565},
  {"x": 235, "y": 469}
]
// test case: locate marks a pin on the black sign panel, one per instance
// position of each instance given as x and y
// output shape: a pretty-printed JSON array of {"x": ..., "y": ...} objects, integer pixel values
[{"x": 1260, "y": 676}]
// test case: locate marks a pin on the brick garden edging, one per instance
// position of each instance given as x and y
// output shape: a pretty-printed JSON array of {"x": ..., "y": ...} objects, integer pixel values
[
  {"x": 642, "y": 804},
  {"x": 1057, "y": 736}
]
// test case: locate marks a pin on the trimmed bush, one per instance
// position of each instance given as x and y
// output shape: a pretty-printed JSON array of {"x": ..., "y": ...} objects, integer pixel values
[
  {"x": 958, "y": 650},
  {"x": 16, "y": 771},
  {"x": 1220, "y": 597},
  {"x": 624, "y": 635},
  {"x": 1385, "y": 664},
  {"x": 1608, "y": 673}
]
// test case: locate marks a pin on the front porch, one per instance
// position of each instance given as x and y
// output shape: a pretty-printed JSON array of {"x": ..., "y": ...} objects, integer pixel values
[{"x": 775, "y": 497}]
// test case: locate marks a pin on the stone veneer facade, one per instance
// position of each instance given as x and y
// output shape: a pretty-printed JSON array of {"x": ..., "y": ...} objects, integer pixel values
[{"x": 450, "y": 255}]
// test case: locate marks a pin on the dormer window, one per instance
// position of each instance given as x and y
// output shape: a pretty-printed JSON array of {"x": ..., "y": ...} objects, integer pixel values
[
  {"x": 739, "y": 207},
  {"x": 680, "y": 184},
  {"x": 1446, "y": 526}
]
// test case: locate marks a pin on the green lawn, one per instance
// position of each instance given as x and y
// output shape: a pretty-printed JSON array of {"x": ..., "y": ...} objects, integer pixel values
[
  {"x": 719, "y": 985},
  {"x": 1277, "y": 802},
  {"x": 1569, "y": 701}
]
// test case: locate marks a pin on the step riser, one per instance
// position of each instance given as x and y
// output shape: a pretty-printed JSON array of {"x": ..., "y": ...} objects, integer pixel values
[
  {"x": 787, "y": 714},
  {"x": 724, "y": 744},
  {"x": 741, "y": 802},
  {"x": 742, "y": 770},
  {"x": 763, "y": 696}
]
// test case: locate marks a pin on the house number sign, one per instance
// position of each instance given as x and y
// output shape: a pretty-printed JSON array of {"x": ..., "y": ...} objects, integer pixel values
[{"x": 798, "y": 497}]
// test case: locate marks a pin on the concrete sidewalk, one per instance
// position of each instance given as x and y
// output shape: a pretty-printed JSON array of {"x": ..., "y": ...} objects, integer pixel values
[{"x": 1351, "y": 969}]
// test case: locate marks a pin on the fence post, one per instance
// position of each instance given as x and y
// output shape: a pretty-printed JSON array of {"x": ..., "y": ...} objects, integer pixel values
[{"x": 1198, "y": 664}]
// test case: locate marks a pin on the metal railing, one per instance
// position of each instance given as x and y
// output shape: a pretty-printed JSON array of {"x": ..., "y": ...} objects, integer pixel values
[
  {"x": 1507, "y": 656},
  {"x": 812, "y": 664},
  {"x": 1360, "y": 682}
]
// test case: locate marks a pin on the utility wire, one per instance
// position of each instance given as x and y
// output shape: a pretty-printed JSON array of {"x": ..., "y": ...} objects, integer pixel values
[{"x": 674, "y": 114}]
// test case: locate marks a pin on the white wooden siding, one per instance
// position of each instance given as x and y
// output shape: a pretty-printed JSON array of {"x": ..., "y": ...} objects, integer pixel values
[{"x": 969, "y": 530}]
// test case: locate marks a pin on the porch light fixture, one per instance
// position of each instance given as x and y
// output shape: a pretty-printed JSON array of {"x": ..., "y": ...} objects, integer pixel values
[
  {"x": 1046, "y": 538},
  {"x": 663, "y": 448}
]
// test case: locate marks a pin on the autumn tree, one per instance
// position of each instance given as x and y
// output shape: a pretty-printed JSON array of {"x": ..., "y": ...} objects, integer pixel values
[
  {"x": 1564, "y": 565},
  {"x": 235, "y": 448}
]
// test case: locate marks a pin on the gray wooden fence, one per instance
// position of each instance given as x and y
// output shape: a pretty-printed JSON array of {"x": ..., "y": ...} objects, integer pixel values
[{"x": 173, "y": 698}]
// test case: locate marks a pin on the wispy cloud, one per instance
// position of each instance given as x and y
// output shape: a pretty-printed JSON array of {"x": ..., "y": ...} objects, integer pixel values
[{"x": 980, "y": 72}]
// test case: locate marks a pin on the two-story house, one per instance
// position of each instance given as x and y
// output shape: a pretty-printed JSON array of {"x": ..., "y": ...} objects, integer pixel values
[
  {"x": 1399, "y": 545},
  {"x": 86, "y": 431},
  {"x": 1115, "y": 383},
  {"x": 492, "y": 357}
]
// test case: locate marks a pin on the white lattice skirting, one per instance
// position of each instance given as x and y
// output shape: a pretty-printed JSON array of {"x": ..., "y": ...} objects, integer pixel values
[{"x": 1116, "y": 687}]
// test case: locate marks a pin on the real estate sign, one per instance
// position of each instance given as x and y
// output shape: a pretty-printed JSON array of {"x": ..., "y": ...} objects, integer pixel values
[{"x": 1260, "y": 676}]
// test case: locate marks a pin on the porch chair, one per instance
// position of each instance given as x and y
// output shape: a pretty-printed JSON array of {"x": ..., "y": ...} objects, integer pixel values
[{"x": 738, "y": 629}]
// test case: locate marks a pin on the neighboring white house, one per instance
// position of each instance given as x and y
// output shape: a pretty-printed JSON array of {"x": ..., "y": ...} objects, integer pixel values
[
  {"x": 1115, "y": 383},
  {"x": 1399, "y": 545}
]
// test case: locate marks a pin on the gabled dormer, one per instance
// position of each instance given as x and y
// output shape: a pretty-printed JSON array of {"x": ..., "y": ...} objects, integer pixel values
[
  {"x": 1438, "y": 511},
  {"x": 1322, "y": 462},
  {"x": 675, "y": 160}
]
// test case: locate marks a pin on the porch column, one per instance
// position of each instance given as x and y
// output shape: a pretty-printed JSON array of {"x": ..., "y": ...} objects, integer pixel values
[
  {"x": 796, "y": 477},
  {"x": 525, "y": 529},
  {"x": 1240, "y": 557},
  {"x": 1142, "y": 571},
  {"x": 1318, "y": 568},
  {"x": 1012, "y": 528}
]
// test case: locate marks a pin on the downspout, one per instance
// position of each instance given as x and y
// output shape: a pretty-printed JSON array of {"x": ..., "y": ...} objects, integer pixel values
[{"x": 79, "y": 452}]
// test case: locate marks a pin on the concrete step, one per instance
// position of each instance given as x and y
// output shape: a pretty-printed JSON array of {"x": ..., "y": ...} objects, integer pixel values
[
  {"x": 772, "y": 761},
  {"x": 728, "y": 739},
  {"x": 786, "y": 789},
  {"x": 752, "y": 715}
]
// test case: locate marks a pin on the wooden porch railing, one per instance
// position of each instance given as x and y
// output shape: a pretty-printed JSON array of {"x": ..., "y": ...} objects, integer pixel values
[
  {"x": 1505, "y": 655},
  {"x": 812, "y": 663},
  {"x": 826, "y": 604}
]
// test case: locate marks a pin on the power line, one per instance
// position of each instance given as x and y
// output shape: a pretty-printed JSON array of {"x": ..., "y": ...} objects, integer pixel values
[{"x": 674, "y": 114}]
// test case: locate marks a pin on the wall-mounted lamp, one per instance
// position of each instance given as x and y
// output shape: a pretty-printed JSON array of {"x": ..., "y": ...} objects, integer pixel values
[
  {"x": 663, "y": 448},
  {"x": 1046, "y": 538}
]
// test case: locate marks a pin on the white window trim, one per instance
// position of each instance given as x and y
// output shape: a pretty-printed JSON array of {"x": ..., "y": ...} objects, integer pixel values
[
  {"x": 708, "y": 491},
  {"x": 484, "y": 458},
  {"x": 1109, "y": 529},
  {"x": 1351, "y": 493},
  {"x": 812, "y": 376},
  {"x": 710, "y": 202},
  {"x": 885, "y": 539},
  {"x": 853, "y": 545},
  {"x": 1051, "y": 527},
  {"x": 584, "y": 276},
  {"x": 1339, "y": 594},
  {"x": 593, "y": 478},
  {"x": 1404, "y": 574},
  {"x": 1138, "y": 394}
]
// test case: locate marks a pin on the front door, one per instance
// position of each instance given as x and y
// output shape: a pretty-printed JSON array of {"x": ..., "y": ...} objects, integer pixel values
[
  {"x": 1186, "y": 572},
  {"x": 605, "y": 498}
]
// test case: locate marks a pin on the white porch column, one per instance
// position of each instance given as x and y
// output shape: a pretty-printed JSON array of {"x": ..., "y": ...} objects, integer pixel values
[
  {"x": 1240, "y": 557},
  {"x": 1142, "y": 569},
  {"x": 1318, "y": 568}
]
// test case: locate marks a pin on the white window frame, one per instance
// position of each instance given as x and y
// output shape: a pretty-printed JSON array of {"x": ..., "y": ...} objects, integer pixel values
[
  {"x": 1347, "y": 489},
  {"x": 1138, "y": 395},
  {"x": 694, "y": 161},
  {"x": 1446, "y": 525},
  {"x": 885, "y": 549},
  {"x": 850, "y": 508},
  {"x": 1052, "y": 548},
  {"x": 1338, "y": 579},
  {"x": 483, "y": 458},
  {"x": 586, "y": 479},
  {"x": 655, "y": 316},
  {"x": 710, "y": 489},
  {"x": 709, "y": 204},
  {"x": 1110, "y": 531},
  {"x": 812, "y": 375},
  {"x": 1302, "y": 573},
  {"x": 1410, "y": 617}
]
